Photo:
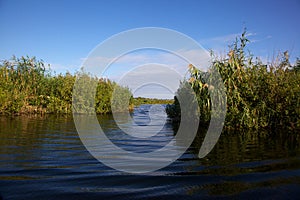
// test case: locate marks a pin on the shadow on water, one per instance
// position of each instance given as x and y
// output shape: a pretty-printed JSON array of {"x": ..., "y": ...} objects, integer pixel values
[
  {"x": 249, "y": 164},
  {"x": 43, "y": 158}
]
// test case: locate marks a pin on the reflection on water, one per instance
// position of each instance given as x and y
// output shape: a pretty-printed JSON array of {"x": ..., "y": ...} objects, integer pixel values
[{"x": 43, "y": 158}]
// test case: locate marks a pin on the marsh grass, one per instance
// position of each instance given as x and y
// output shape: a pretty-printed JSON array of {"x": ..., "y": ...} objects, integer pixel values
[
  {"x": 27, "y": 87},
  {"x": 259, "y": 96}
]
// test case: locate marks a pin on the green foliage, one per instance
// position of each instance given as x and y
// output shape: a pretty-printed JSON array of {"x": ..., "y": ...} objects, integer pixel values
[
  {"x": 21, "y": 84},
  {"x": 142, "y": 100},
  {"x": 258, "y": 95},
  {"x": 121, "y": 98},
  {"x": 27, "y": 87},
  {"x": 296, "y": 67},
  {"x": 103, "y": 96},
  {"x": 173, "y": 110}
]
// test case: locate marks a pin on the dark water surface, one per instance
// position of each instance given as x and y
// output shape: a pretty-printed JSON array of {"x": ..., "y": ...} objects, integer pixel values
[{"x": 43, "y": 158}]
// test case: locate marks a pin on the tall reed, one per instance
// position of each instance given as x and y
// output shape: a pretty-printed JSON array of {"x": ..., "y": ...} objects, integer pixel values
[
  {"x": 258, "y": 95},
  {"x": 26, "y": 86}
]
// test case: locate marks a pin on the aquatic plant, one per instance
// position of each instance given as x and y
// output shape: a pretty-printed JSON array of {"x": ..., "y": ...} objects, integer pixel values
[
  {"x": 26, "y": 86},
  {"x": 258, "y": 95}
]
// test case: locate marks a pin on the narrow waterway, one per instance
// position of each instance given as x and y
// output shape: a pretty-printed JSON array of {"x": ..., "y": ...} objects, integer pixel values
[{"x": 43, "y": 158}]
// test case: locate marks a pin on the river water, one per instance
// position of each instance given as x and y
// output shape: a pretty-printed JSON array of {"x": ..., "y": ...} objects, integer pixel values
[{"x": 43, "y": 158}]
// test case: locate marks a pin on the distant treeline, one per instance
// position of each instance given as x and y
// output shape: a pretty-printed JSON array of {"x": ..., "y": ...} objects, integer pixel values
[
  {"x": 259, "y": 95},
  {"x": 142, "y": 100},
  {"x": 26, "y": 86}
]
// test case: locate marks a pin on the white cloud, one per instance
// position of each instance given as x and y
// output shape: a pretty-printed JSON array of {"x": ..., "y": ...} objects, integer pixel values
[
  {"x": 151, "y": 76},
  {"x": 221, "y": 39},
  {"x": 221, "y": 42},
  {"x": 261, "y": 39},
  {"x": 130, "y": 65},
  {"x": 59, "y": 68},
  {"x": 149, "y": 66},
  {"x": 198, "y": 57}
]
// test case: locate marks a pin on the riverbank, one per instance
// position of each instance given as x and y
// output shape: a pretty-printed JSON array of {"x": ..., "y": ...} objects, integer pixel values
[{"x": 28, "y": 87}]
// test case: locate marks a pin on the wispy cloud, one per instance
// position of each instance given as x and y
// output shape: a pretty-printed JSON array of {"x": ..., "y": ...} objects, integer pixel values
[
  {"x": 254, "y": 40},
  {"x": 178, "y": 60},
  {"x": 151, "y": 67},
  {"x": 226, "y": 40},
  {"x": 220, "y": 39},
  {"x": 121, "y": 65},
  {"x": 151, "y": 72},
  {"x": 60, "y": 68},
  {"x": 152, "y": 79},
  {"x": 219, "y": 44}
]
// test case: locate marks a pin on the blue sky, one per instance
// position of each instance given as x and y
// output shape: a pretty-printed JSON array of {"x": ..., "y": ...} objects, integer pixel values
[{"x": 63, "y": 32}]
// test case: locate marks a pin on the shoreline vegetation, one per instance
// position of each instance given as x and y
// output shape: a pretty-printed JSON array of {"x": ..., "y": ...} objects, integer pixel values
[
  {"x": 259, "y": 96},
  {"x": 137, "y": 101},
  {"x": 27, "y": 87}
]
